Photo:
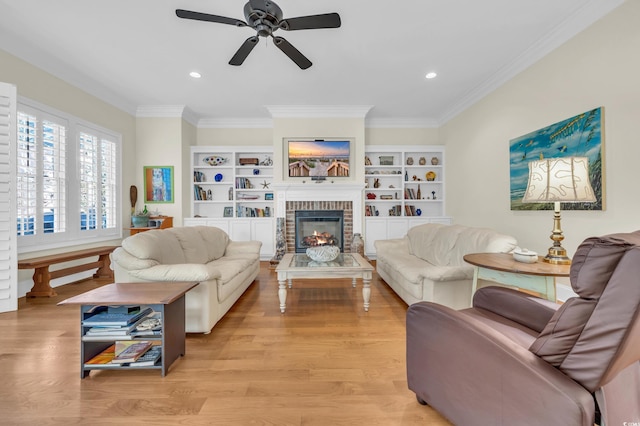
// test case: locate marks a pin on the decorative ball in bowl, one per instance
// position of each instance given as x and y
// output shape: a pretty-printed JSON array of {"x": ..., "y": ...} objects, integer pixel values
[
  {"x": 524, "y": 255},
  {"x": 323, "y": 253}
]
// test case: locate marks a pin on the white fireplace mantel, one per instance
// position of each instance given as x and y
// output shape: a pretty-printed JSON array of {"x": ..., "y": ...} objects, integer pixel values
[{"x": 322, "y": 191}]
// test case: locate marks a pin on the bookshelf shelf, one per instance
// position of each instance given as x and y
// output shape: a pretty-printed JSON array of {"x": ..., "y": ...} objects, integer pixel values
[{"x": 166, "y": 299}]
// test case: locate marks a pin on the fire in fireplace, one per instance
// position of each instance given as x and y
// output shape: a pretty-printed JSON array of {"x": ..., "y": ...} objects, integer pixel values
[{"x": 319, "y": 227}]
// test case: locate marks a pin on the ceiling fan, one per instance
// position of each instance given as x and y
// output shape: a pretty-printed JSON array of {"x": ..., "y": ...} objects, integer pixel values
[{"x": 266, "y": 17}]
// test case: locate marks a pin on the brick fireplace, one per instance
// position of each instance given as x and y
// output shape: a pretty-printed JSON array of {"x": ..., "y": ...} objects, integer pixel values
[
  {"x": 347, "y": 198},
  {"x": 318, "y": 206}
]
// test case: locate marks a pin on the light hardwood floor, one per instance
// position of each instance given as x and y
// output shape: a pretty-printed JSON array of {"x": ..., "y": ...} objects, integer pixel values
[{"x": 324, "y": 362}]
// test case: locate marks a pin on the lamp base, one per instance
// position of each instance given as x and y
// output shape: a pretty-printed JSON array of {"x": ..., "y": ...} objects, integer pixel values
[{"x": 557, "y": 256}]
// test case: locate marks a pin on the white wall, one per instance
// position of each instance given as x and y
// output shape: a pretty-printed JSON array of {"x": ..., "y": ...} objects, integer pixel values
[{"x": 598, "y": 67}]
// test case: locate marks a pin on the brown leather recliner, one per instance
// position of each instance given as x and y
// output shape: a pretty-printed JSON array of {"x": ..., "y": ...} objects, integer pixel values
[{"x": 516, "y": 359}]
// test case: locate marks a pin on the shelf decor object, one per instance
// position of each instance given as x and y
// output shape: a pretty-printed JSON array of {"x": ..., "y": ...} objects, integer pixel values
[
  {"x": 559, "y": 180},
  {"x": 158, "y": 184}
]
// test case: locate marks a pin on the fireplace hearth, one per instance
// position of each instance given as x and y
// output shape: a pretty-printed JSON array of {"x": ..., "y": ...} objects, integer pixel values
[{"x": 318, "y": 227}]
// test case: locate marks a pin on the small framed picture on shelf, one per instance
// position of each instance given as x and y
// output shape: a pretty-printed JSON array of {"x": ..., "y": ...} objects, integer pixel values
[
  {"x": 228, "y": 212},
  {"x": 268, "y": 196}
]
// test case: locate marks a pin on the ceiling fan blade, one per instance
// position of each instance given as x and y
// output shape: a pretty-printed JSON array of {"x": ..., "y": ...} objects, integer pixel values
[
  {"x": 258, "y": 4},
  {"x": 292, "y": 52},
  {"x": 197, "y": 16},
  {"x": 244, "y": 51},
  {"x": 311, "y": 22}
]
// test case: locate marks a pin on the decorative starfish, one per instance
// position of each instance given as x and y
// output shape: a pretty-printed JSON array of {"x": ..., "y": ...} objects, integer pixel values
[{"x": 265, "y": 185}]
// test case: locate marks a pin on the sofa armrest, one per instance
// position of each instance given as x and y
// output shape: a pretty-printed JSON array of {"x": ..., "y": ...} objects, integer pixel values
[
  {"x": 243, "y": 248},
  {"x": 130, "y": 262},
  {"x": 473, "y": 374},
  {"x": 178, "y": 272},
  {"x": 531, "y": 311},
  {"x": 391, "y": 245}
]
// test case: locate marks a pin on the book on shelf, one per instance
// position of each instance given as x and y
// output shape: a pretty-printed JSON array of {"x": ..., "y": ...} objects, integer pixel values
[
  {"x": 104, "y": 358},
  {"x": 132, "y": 352},
  {"x": 149, "y": 358},
  {"x": 113, "y": 319}
]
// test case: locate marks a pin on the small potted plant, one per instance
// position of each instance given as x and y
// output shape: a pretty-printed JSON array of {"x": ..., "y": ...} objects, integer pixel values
[{"x": 141, "y": 218}]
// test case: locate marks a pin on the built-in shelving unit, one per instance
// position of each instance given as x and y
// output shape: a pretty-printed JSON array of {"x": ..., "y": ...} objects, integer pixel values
[
  {"x": 404, "y": 188},
  {"x": 233, "y": 190}
]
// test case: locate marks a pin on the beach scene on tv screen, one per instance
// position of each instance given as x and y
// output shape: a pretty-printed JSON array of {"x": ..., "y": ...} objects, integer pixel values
[{"x": 319, "y": 158}]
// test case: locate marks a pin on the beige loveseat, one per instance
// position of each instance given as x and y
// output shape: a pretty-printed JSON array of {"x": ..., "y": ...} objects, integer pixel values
[
  {"x": 427, "y": 264},
  {"x": 224, "y": 268}
]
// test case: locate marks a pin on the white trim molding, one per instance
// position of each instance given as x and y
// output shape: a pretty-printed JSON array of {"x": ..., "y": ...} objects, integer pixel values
[{"x": 319, "y": 111}]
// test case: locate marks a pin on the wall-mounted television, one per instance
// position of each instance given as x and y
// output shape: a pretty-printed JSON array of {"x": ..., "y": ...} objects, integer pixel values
[{"x": 318, "y": 158}]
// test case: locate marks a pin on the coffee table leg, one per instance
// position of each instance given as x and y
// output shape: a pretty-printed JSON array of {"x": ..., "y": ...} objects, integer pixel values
[
  {"x": 282, "y": 294},
  {"x": 353, "y": 283},
  {"x": 366, "y": 292}
]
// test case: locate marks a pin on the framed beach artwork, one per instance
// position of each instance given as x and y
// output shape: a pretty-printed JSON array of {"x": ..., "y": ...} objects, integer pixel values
[
  {"x": 158, "y": 184},
  {"x": 578, "y": 136}
]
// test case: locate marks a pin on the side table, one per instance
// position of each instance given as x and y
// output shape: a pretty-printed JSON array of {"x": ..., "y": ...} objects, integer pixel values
[
  {"x": 167, "y": 298},
  {"x": 502, "y": 268}
]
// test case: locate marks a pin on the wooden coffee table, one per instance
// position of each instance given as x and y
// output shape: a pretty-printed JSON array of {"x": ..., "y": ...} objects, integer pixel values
[{"x": 347, "y": 265}]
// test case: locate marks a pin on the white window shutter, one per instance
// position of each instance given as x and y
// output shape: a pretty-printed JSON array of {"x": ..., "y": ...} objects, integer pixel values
[{"x": 8, "y": 238}]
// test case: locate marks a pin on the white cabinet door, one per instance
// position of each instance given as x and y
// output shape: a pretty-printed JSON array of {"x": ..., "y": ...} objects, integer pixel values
[
  {"x": 263, "y": 230},
  {"x": 375, "y": 229},
  {"x": 397, "y": 228}
]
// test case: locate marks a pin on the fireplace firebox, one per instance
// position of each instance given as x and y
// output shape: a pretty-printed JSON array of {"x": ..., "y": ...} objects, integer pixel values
[{"x": 318, "y": 227}]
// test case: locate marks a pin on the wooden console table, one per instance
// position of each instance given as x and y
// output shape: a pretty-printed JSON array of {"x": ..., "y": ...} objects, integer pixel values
[
  {"x": 167, "y": 222},
  {"x": 502, "y": 268},
  {"x": 42, "y": 276}
]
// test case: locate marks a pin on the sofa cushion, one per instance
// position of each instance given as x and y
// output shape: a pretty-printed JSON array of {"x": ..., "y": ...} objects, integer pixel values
[
  {"x": 446, "y": 245},
  {"x": 216, "y": 240},
  {"x": 156, "y": 245},
  {"x": 193, "y": 245}
]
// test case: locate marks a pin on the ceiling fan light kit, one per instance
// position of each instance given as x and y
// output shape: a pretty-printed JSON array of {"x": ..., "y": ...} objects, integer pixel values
[{"x": 265, "y": 17}]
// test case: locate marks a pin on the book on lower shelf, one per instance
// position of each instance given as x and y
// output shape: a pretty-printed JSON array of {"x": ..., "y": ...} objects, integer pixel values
[
  {"x": 149, "y": 358},
  {"x": 104, "y": 358},
  {"x": 132, "y": 352}
]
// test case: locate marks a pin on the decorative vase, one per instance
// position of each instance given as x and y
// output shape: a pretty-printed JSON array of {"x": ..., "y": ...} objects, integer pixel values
[
  {"x": 357, "y": 244},
  {"x": 139, "y": 221},
  {"x": 435, "y": 161},
  {"x": 422, "y": 161},
  {"x": 281, "y": 242},
  {"x": 218, "y": 177},
  {"x": 409, "y": 161}
]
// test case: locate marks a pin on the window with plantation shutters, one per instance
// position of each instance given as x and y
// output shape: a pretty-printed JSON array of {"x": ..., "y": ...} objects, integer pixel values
[
  {"x": 67, "y": 178},
  {"x": 8, "y": 250}
]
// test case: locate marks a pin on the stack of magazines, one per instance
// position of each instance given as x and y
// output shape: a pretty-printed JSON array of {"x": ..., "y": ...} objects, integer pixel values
[{"x": 120, "y": 325}]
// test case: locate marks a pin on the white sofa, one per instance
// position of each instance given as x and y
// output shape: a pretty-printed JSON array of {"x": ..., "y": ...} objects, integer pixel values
[
  {"x": 427, "y": 264},
  {"x": 223, "y": 268}
]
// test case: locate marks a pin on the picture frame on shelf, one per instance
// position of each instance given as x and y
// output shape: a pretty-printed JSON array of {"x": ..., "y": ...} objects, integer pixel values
[
  {"x": 158, "y": 184},
  {"x": 228, "y": 212},
  {"x": 268, "y": 196}
]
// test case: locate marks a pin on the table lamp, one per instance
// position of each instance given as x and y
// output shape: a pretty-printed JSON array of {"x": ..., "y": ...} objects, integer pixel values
[{"x": 559, "y": 180}]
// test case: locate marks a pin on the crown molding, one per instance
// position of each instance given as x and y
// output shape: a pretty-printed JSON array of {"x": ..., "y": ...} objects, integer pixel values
[
  {"x": 235, "y": 123},
  {"x": 318, "y": 111},
  {"x": 400, "y": 123},
  {"x": 167, "y": 111},
  {"x": 577, "y": 22}
]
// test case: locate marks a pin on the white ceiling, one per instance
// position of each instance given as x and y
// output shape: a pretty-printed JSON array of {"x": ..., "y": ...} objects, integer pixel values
[{"x": 134, "y": 53}]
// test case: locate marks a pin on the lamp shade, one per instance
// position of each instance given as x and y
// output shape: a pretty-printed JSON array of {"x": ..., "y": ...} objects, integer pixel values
[{"x": 559, "y": 180}]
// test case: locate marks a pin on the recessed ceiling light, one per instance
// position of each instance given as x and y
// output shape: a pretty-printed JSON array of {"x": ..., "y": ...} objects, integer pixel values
[
  {"x": 431, "y": 75},
  {"x": 195, "y": 74}
]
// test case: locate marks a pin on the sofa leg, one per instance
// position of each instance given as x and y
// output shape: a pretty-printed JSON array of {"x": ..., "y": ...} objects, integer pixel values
[{"x": 421, "y": 401}]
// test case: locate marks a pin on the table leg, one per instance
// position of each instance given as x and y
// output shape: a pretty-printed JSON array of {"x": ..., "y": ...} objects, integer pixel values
[
  {"x": 474, "y": 286},
  {"x": 41, "y": 283},
  {"x": 366, "y": 292},
  {"x": 290, "y": 282},
  {"x": 282, "y": 294}
]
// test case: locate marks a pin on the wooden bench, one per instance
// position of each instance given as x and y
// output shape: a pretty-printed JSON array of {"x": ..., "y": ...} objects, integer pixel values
[{"x": 42, "y": 276}]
